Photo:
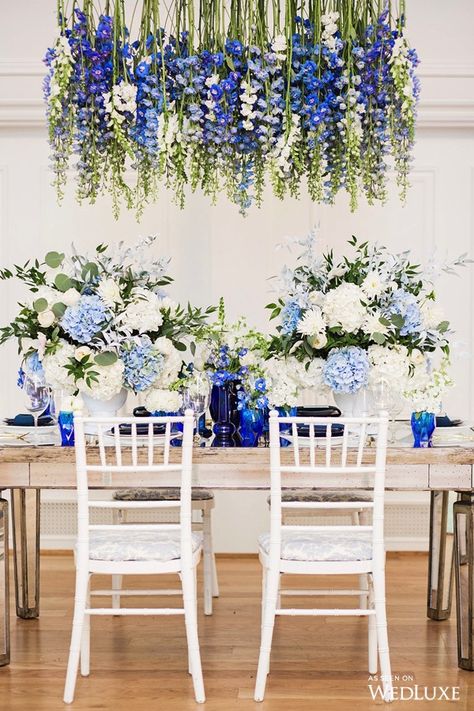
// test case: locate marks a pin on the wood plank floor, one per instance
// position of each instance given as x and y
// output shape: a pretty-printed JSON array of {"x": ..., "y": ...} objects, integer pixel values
[{"x": 140, "y": 664}]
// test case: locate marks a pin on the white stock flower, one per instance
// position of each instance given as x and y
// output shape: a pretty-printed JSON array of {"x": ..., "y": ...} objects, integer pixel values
[
  {"x": 158, "y": 400},
  {"x": 279, "y": 43},
  {"x": 46, "y": 318},
  {"x": 54, "y": 367},
  {"x": 121, "y": 99},
  {"x": 109, "y": 381},
  {"x": 109, "y": 292},
  {"x": 342, "y": 307}
]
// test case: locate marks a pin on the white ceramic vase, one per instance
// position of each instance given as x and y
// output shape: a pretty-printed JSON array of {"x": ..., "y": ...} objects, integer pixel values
[
  {"x": 355, "y": 404},
  {"x": 105, "y": 408}
]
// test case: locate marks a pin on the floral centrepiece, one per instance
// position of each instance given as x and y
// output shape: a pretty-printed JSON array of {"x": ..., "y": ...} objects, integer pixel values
[
  {"x": 231, "y": 99},
  {"x": 102, "y": 323},
  {"x": 368, "y": 317}
]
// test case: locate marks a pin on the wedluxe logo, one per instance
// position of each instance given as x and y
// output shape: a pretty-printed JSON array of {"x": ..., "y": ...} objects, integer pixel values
[{"x": 405, "y": 689}]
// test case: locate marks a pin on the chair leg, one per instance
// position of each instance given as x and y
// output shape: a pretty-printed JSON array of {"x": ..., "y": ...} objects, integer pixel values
[
  {"x": 264, "y": 593},
  {"x": 382, "y": 636},
  {"x": 82, "y": 582},
  {"x": 86, "y": 638},
  {"x": 116, "y": 587},
  {"x": 190, "y": 617},
  {"x": 207, "y": 560},
  {"x": 361, "y": 519},
  {"x": 273, "y": 581},
  {"x": 373, "y": 667}
]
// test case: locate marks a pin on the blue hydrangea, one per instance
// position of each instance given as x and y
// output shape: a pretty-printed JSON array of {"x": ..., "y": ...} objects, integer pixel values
[
  {"x": 346, "y": 369},
  {"x": 85, "y": 319},
  {"x": 405, "y": 304},
  {"x": 143, "y": 364}
]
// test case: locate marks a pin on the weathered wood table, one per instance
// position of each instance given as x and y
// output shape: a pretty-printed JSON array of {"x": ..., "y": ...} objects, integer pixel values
[{"x": 27, "y": 470}]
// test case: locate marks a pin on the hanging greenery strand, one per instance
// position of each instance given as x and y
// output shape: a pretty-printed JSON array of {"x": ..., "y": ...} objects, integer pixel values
[{"x": 228, "y": 95}]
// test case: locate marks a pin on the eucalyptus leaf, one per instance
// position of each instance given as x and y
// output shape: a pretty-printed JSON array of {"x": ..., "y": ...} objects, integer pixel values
[
  {"x": 106, "y": 358},
  {"x": 63, "y": 282},
  {"x": 398, "y": 320},
  {"x": 54, "y": 259},
  {"x": 379, "y": 338},
  {"x": 40, "y": 305},
  {"x": 59, "y": 309}
]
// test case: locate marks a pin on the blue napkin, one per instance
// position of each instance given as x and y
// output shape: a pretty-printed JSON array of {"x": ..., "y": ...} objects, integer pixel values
[{"x": 26, "y": 420}]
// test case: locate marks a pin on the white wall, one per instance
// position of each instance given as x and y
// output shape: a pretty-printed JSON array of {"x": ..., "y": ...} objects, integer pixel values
[{"x": 214, "y": 250}]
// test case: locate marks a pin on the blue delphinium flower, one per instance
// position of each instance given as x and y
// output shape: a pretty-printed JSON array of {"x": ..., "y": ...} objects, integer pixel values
[
  {"x": 290, "y": 316},
  {"x": 143, "y": 363},
  {"x": 405, "y": 304},
  {"x": 346, "y": 369},
  {"x": 86, "y": 318}
]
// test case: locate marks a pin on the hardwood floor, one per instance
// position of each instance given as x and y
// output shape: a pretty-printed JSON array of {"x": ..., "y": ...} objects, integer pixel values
[{"x": 140, "y": 664}]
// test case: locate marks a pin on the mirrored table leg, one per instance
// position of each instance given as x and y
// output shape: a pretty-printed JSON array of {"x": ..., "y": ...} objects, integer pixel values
[
  {"x": 464, "y": 575},
  {"x": 4, "y": 593},
  {"x": 26, "y": 539},
  {"x": 440, "y": 565}
]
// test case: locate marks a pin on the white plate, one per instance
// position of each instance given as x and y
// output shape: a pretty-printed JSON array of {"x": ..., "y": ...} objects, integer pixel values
[{"x": 16, "y": 429}]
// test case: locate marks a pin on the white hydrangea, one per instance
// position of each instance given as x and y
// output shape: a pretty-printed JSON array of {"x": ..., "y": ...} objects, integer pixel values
[
  {"x": 158, "y": 400},
  {"x": 283, "y": 379},
  {"x": 143, "y": 313},
  {"x": 342, "y": 307},
  {"x": 389, "y": 363},
  {"x": 109, "y": 381},
  {"x": 171, "y": 367},
  {"x": 54, "y": 368}
]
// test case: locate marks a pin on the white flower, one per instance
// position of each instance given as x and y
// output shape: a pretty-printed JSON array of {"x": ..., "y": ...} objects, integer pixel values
[
  {"x": 168, "y": 304},
  {"x": 283, "y": 378},
  {"x": 342, "y": 307},
  {"x": 201, "y": 354},
  {"x": 170, "y": 369},
  {"x": 319, "y": 340},
  {"x": 389, "y": 363},
  {"x": 143, "y": 313},
  {"x": 416, "y": 357},
  {"x": 425, "y": 389},
  {"x": 249, "y": 359},
  {"x": 109, "y": 381},
  {"x": 70, "y": 297},
  {"x": 46, "y": 318},
  {"x": 372, "y": 285},
  {"x": 316, "y": 297},
  {"x": 82, "y": 352},
  {"x": 50, "y": 295},
  {"x": 164, "y": 345},
  {"x": 312, "y": 322},
  {"x": 248, "y": 125},
  {"x": 54, "y": 367},
  {"x": 163, "y": 400},
  {"x": 109, "y": 292},
  {"x": 214, "y": 79},
  {"x": 432, "y": 314},
  {"x": 121, "y": 99},
  {"x": 372, "y": 324},
  {"x": 337, "y": 271},
  {"x": 279, "y": 43}
]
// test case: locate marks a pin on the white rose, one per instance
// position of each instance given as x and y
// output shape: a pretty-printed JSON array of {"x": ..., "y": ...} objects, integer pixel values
[
  {"x": 416, "y": 357},
  {"x": 82, "y": 352},
  {"x": 46, "y": 318},
  {"x": 319, "y": 340},
  {"x": 109, "y": 292},
  {"x": 70, "y": 297},
  {"x": 164, "y": 345}
]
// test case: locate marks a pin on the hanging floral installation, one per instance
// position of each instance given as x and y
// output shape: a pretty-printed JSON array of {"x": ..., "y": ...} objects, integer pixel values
[{"x": 228, "y": 95}]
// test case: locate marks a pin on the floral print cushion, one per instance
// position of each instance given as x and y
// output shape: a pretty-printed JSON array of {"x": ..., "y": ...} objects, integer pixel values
[
  {"x": 316, "y": 546},
  {"x": 325, "y": 495},
  {"x": 170, "y": 493},
  {"x": 138, "y": 545}
]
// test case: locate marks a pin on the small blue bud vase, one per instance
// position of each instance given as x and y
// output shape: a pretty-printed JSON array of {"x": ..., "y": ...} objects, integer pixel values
[
  {"x": 66, "y": 428},
  {"x": 286, "y": 412},
  {"x": 423, "y": 425},
  {"x": 251, "y": 426}
]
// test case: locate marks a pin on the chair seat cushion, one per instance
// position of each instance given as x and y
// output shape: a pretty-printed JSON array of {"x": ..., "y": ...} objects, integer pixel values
[
  {"x": 122, "y": 545},
  {"x": 325, "y": 495},
  {"x": 315, "y": 546},
  {"x": 163, "y": 494}
]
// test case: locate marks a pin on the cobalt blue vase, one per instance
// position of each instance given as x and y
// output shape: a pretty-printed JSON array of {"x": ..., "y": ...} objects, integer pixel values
[
  {"x": 224, "y": 413},
  {"x": 286, "y": 412},
  {"x": 423, "y": 425},
  {"x": 251, "y": 426},
  {"x": 66, "y": 428}
]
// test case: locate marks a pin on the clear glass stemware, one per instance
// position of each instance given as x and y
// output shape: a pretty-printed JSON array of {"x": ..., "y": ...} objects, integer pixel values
[
  {"x": 196, "y": 397},
  {"x": 37, "y": 396}
]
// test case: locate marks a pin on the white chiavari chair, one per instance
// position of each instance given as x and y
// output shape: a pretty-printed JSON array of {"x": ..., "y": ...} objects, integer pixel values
[
  {"x": 327, "y": 549},
  {"x": 130, "y": 548}
]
